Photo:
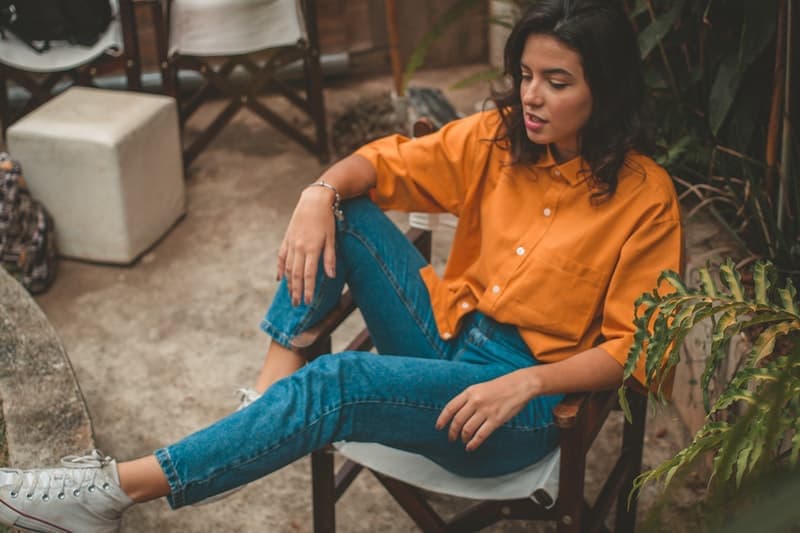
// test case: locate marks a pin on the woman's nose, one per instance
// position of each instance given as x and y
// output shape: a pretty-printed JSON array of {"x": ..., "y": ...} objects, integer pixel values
[{"x": 532, "y": 95}]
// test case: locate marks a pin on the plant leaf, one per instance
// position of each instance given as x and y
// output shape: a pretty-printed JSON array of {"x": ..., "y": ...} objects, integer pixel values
[
  {"x": 658, "y": 29},
  {"x": 788, "y": 297},
  {"x": 761, "y": 281},
  {"x": 732, "y": 280},
  {"x": 707, "y": 283},
  {"x": 758, "y": 27},
  {"x": 765, "y": 343},
  {"x": 448, "y": 18},
  {"x": 723, "y": 92}
]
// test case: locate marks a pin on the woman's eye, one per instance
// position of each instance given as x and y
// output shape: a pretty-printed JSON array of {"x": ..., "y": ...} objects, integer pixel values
[
  {"x": 526, "y": 76},
  {"x": 558, "y": 85}
]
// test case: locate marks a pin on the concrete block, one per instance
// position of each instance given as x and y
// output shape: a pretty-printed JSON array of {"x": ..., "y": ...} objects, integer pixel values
[{"x": 107, "y": 165}]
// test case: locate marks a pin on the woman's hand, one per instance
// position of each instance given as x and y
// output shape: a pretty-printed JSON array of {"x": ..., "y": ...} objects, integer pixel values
[
  {"x": 480, "y": 409},
  {"x": 311, "y": 233}
]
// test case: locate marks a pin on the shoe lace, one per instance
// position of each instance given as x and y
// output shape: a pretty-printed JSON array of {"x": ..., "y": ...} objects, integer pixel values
[
  {"x": 247, "y": 396},
  {"x": 78, "y": 469}
]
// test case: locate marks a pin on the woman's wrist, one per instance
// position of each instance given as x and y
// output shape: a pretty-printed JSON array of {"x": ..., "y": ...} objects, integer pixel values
[
  {"x": 535, "y": 385},
  {"x": 329, "y": 194}
]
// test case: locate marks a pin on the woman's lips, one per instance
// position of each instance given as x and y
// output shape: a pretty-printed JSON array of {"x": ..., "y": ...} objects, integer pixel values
[{"x": 533, "y": 122}]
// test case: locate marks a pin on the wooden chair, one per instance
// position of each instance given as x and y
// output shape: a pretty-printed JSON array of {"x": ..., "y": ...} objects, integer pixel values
[
  {"x": 40, "y": 74},
  {"x": 213, "y": 38},
  {"x": 579, "y": 418}
]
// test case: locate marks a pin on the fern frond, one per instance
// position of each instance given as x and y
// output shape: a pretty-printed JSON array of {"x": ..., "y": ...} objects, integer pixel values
[
  {"x": 761, "y": 281},
  {"x": 765, "y": 343},
  {"x": 674, "y": 279},
  {"x": 707, "y": 283},
  {"x": 788, "y": 297},
  {"x": 732, "y": 280}
]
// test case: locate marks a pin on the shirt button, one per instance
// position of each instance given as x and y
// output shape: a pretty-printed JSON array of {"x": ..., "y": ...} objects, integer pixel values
[
  {"x": 556, "y": 172},
  {"x": 520, "y": 251},
  {"x": 447, "y": 335},
  {"x": 464, "y": 305},
  {"x": 547, "y": 212},
  {"x": 496, "y": 289}
]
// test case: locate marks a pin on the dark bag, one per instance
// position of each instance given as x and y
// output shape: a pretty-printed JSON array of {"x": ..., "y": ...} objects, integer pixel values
[
  {"x": 27, "y": 233},
  {"x": 37, "y": 22}
]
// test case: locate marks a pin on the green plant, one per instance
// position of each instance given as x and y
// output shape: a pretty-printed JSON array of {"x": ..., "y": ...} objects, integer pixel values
[
  {"x": 719, "y": 76},
  {"x": 752, "y": 420}
]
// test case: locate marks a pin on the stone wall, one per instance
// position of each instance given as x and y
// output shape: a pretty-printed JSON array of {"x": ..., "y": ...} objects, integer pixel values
[{"x": 44, "y": 411}]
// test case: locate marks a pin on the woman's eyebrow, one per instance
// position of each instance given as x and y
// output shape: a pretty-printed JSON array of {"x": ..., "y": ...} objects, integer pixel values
[{"x": 562, "y": 71}]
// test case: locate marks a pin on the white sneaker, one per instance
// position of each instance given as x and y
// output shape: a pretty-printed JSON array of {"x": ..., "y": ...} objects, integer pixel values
[
  {"x": 246, "y": 397},
  {"x": 81, "y": 496}
]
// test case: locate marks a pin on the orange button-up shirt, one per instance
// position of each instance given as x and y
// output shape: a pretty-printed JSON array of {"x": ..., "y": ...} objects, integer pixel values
[{"x": 531, "y": 249}]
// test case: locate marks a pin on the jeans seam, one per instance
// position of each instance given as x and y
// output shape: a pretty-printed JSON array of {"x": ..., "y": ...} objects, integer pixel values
[{"x": 432, "y": 341}]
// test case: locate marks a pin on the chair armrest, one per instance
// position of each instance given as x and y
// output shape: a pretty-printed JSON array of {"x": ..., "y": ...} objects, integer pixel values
[{"x": 584, "y": 410}]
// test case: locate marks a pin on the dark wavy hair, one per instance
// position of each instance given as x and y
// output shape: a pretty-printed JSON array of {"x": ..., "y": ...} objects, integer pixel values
[{"x": 600, "y": 32}]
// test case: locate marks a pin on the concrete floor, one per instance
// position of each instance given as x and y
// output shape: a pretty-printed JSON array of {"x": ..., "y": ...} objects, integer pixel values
[{"x": 160, "y": 347}]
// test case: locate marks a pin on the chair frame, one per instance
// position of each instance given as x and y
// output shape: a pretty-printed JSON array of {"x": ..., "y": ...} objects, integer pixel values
[
  {"x": 42, "y": 91},
  {"x": 579, "y": 418},
  {"x": 216, "y": 80}
]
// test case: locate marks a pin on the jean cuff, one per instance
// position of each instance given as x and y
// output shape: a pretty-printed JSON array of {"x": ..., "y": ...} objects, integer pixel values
[
  {"x": 277, "y": 334},
  {"x": 177, "y": 496}
]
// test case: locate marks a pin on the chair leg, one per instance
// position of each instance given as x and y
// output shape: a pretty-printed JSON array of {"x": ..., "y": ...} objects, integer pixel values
[
  {"x": 414, "y": 504},
  {"x": 132, "y": 57},
  {"x": 323, "y": 489},
  {"x": 632, "y": 446},
  {"x": 5, "y": 115},
  {"x": 313, "y": 75}
]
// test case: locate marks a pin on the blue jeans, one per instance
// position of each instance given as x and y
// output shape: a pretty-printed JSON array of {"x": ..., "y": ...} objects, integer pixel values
[{"x": 393, "y": 398}]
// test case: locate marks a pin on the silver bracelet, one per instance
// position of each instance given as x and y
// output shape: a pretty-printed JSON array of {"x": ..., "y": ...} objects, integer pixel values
[{"x": 337, "y": 200}]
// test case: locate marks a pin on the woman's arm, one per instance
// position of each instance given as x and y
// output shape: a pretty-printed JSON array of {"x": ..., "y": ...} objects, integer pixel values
[
  {"x": 312, "y": 228},
  {"x": 474, "y": 414}
]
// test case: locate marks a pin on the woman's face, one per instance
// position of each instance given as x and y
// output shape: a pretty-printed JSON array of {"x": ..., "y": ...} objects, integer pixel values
[{"x": 556, "y": 100}]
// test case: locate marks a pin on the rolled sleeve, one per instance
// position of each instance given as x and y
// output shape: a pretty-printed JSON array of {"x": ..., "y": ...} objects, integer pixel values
[
  {"x": 650, "y": 250},
  {"x": 431, "y": 173}
]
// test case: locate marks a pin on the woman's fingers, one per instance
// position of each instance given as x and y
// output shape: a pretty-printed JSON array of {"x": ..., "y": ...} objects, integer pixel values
[
  {"x": 282, "y": 251},
  {"x": 295, "y": 276},
  {"x": 310, "y": 276},
  {"x": 481, "y": 434},
  {"x": 329, "y": 253},
  {"x": 450, "y": 410}
]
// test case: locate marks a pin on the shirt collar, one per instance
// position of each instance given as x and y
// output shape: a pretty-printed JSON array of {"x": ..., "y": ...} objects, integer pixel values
[{"x": 569, "y": 170}]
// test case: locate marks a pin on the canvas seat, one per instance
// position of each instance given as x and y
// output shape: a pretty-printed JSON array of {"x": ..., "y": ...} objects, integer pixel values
[
  {"x": 221, "y": 39},
  {"x": 39, "y": 74},
  {"x": 550, "y": 490}
]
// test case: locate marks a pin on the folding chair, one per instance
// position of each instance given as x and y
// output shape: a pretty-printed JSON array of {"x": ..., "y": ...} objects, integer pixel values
[
  {"x": 550, "y": 490},
  {"x": 39, "y": 74},
  {"x": 214, "y": 37}
]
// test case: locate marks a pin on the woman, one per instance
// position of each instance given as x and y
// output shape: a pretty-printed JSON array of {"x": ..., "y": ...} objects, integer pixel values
[{"x": 563, "y": 223}]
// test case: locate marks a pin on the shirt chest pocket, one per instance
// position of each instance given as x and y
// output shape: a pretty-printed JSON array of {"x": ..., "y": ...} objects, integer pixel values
[{"x": 558, "y": 296}]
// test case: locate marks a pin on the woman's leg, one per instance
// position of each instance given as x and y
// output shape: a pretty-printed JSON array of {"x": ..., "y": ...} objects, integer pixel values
[
  {"x": 359, "y": 397},
  {"x": 381, "y": 267},
  {"x": 375, "y": 259}
]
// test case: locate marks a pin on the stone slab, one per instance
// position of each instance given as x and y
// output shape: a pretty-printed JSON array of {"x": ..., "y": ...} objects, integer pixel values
[{"x": 43, "y": 407}]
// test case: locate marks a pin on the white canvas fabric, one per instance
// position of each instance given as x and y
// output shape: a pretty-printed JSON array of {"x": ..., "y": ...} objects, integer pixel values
[
  {"x": 421, "y": 472},
  {"x": 229, "y": 27},
  {"x": 61, "y": 55}
]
